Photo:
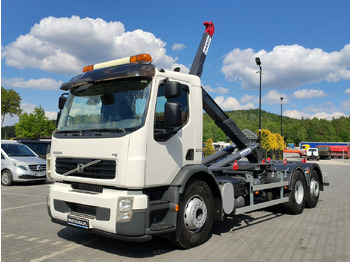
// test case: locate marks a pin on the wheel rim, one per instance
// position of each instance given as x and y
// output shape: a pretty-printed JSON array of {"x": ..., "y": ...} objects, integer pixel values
[
  {"x": 299, "y": 192},
  {"x": 5, "y": 178},
  {"x": 195, "y": 214},
  {"x": 314, "y": 189}
]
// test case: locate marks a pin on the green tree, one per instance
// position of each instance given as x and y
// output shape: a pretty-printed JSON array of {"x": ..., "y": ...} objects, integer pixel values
[
  {"x": 8, "y": 132},
  {"x": 209, "y": 148},
  {"x": 34, "y": 125},
  {"x": 10, "y": 103}
]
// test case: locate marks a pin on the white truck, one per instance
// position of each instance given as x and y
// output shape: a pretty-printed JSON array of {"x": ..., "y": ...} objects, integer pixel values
[{"x": 126, "y": 157}]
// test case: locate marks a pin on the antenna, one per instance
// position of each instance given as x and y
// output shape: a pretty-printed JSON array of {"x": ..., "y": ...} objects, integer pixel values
[{"x": 161, "y": 46}]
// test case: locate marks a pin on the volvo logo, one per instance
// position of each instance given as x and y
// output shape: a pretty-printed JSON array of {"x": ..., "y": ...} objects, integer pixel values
[{"x": 80, "y": 167}]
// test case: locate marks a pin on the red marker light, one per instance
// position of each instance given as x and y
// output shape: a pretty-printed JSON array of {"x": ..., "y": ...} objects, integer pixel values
[
  {"x": 285, "y": 162},
  {"x": 268, "y": 159},
  {"x": 304, "y": 160},
  {"x": 235, "y": 165},
  {"x": 263, "y": 161}
]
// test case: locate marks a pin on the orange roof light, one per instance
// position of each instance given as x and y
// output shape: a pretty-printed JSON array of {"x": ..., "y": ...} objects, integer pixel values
[{"x": 141, "y": 58}]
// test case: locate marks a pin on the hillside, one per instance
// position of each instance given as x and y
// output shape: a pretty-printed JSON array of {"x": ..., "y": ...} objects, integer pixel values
[{"x": 294, "y": 130}]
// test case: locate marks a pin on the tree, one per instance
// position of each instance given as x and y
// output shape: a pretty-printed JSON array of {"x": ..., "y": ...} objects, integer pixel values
[
  {"x": 209, "y": 148},
  {"x": 10, "y": 103},
  {"x": 34, "y": 125}
]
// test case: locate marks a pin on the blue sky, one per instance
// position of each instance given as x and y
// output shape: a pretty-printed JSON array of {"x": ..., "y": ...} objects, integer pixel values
[{"x": 304, "y": 47}]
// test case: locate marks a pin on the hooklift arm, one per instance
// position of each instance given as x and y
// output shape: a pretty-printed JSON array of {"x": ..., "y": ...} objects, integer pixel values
[{"x": 226, "y": 124}]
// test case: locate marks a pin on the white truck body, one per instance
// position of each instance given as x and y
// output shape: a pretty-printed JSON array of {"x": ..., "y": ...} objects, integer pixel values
[{"x": 126, "y": 157}]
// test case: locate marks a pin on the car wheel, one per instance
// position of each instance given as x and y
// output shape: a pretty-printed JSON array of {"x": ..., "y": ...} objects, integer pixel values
[{"x": 6, "y": 178}]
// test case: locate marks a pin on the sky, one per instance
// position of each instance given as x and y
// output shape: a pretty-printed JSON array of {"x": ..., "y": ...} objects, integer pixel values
[{"x": 304, "y": 47}]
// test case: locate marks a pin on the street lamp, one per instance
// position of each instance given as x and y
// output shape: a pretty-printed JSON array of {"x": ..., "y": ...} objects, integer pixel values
[
  {"x": 258, "y": 62},
  {"x": 281, "y": 115}
]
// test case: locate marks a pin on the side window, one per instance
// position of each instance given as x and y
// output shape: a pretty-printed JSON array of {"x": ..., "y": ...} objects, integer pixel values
[{"x": 159, "y": 122}]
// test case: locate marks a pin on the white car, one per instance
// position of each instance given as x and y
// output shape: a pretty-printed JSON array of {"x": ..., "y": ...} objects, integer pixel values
[{"x": 20, "y": 164}]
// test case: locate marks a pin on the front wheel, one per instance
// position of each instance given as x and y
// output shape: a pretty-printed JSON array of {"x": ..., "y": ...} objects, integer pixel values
[
  {"x": 297, "y": 196},
  {"x": 6, "y": 178},
  {"x": 195, "y": 215},
  {"x": 314, "y": 190}
]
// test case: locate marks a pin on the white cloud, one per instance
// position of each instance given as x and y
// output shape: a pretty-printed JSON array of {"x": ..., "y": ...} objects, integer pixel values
[
  {"x": 274, "y": 97},
  {"x": 321, "y": 115},
  {"x": 247, "y": 98},
  {"x": 178, "y": 47},
  {"x": 44, "y": 83},
  {"x": 347, "y": 91},
  {"x": 65, "y": 45},
  {"x": 309, "y": 93},
  {"x": 296, "y": 114},
  {"x": 287, "y": 66},
  {"x": 231, "y": 103},
  {"x": 220, "y": 90}
]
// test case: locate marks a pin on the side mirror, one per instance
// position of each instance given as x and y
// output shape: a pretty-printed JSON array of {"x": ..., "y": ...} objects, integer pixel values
[
  {"x": 172, "y": 89},
  {"x": 62, "y": 100},
  {"x": 172, "y": 113}
]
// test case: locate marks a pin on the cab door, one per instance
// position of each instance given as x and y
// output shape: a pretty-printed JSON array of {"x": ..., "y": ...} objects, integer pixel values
[{"x": 169, "y": 149}]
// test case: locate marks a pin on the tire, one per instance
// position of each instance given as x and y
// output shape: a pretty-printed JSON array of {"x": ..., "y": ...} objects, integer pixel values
[
  {"x": 195, "y": 217},
  {"x": 313, "y": 193},
  {"x": 6, "y": 178},
  {"x": 297, "y": 196}
]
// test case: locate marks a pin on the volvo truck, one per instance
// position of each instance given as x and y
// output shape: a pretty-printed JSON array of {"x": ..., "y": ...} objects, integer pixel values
[{"x": 126, "y": 157}]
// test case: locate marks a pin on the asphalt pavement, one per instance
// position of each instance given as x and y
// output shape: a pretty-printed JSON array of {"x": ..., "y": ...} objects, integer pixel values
[{"x": 319, "y": 234}]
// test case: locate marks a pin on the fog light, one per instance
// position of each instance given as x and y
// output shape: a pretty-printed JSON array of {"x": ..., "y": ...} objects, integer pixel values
[{"x": 125, "y": 209}]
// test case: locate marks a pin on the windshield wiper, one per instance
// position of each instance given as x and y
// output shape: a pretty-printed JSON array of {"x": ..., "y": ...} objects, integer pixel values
[{"x": 107, "y": 130}]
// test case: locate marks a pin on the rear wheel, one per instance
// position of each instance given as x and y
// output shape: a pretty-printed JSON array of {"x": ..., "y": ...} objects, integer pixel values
[
  {"x": 195, "y": 215},
  {"x": 6, "y": 178},
  {"x": 314, "y": 190},
  {"x": 297, "y": 196}
]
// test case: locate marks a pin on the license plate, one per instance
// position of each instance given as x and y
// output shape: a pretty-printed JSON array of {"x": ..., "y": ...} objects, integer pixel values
[{"x": 78, "y": 222}]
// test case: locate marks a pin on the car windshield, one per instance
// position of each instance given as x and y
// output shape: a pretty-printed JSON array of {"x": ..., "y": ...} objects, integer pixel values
[
  {"x": 17, "y": 150},
  {"x": 116, "y": 107}
]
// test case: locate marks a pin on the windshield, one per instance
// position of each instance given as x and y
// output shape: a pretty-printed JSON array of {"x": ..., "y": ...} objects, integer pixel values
[
  {"x": 17, "y": 150},
  {"x": 117, "y": 107}
]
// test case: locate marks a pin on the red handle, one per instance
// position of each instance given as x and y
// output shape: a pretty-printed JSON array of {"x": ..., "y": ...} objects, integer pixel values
[{"x": 209, "y": 28}]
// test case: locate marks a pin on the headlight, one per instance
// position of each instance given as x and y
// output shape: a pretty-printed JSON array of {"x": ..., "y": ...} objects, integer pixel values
[
  {"x": 125, "y": 209},
  {"x": 21, "y": 165}
]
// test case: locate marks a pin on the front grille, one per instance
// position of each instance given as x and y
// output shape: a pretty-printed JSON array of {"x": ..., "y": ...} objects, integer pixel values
[
  {"x": 37, "y": 168},
  {"x": 89, "y": 168},
  {"x": 82, "y": 209},
  {"x": 86, "y": 187}
]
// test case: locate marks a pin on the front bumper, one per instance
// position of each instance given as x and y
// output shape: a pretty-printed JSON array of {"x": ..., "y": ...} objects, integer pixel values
[
  {"x": 100, "y": 211},
  {"x": 20, "y": 175}
]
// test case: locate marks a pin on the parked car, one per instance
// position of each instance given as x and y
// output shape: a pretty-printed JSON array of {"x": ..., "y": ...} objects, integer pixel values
[
  {"x": 20, "y": 164},
  {"x": 40, "y": 146},
  {"x": 312, "y": 153}
]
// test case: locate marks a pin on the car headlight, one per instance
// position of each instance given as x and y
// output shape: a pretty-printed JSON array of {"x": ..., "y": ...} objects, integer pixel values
[
  {"x": 21, "y": 165},
  {"x": 125, "y": 209}
]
